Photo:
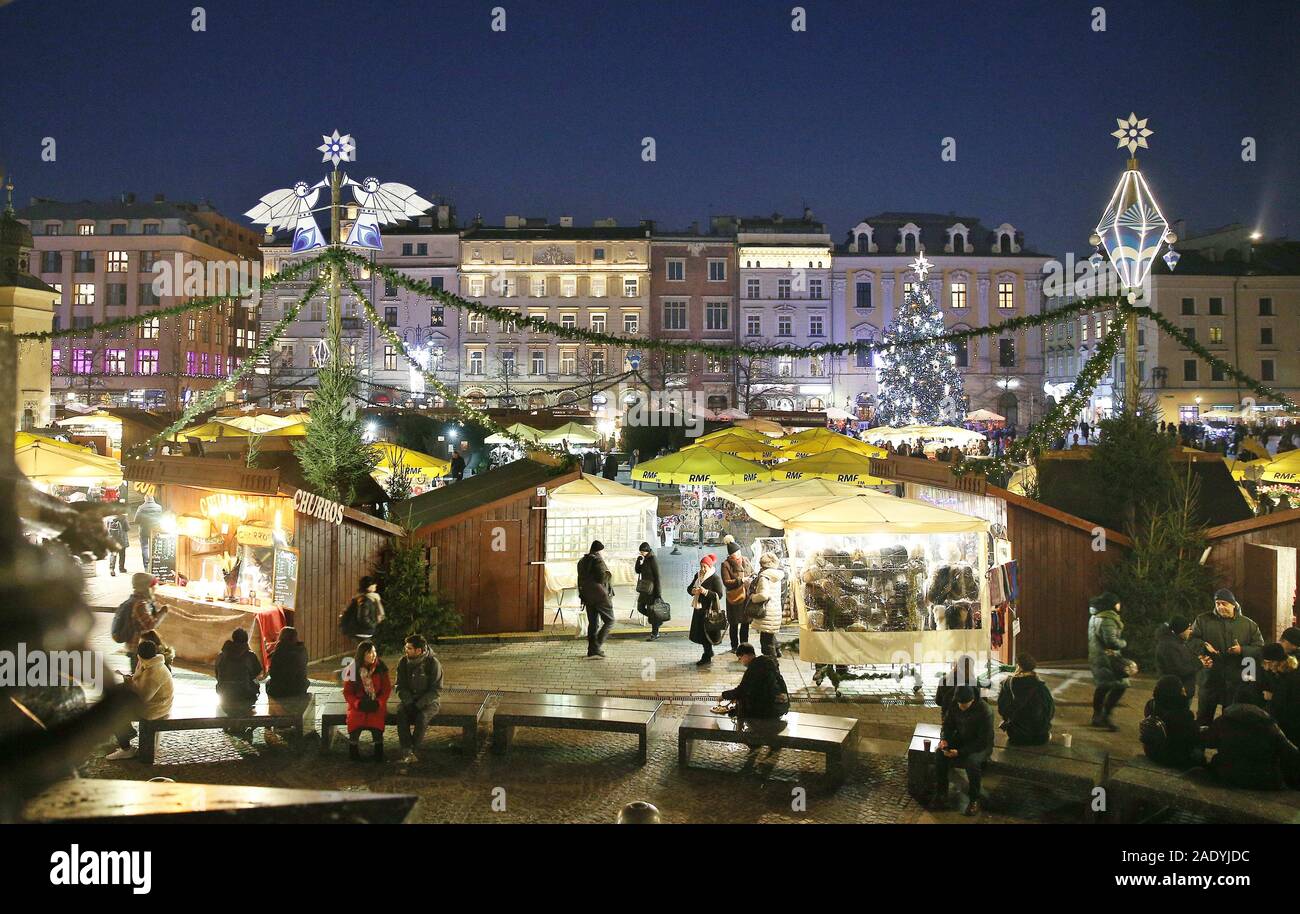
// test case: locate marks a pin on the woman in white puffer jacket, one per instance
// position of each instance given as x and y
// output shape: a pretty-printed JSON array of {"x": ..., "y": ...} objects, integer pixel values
[{"x": 767, "y": 590}]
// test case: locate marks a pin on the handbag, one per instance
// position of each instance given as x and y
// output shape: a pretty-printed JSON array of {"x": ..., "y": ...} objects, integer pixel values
[
  {"x": 659, "y": 611},
  {"x": 753, "y": 610},
  {"x": 645, "y": 585}
]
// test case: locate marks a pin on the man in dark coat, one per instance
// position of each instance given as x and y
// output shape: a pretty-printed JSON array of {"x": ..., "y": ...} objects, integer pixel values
[
  {"x": 1174, "y": 656},
  {"x": 1281, "y": 684},
  {"x": 762, "y": 693},
  {"x": 457, "y": 466},
  {"x": 649, "y": 589},
  {"x": 596, "y": 592},
  {"x": 610, "y": 467},
  {"x": 1253, "y": 752},
  {"x": 967, "y": 742},
  {"x": 1026, "y": 706},
  {"x": 419, "y": 681},
  {"x": 1290, "y": 641},
  {"x": 1227, "y": 637}
]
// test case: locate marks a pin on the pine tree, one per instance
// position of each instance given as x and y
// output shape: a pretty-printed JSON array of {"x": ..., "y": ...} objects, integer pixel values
[
  {"x": 410, "y": 605},
  {"x": 918, "y": 384},
  {"x": 334, "y": 455}
]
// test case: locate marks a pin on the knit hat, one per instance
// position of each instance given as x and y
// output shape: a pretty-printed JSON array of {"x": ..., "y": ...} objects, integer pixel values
[
  {"x": 963, "y": 694},
  {"x": 709, "y": 560},
  {"x": 1225, "y": 594},
  {"x": 141, "y": 581},
  {"x": 1178, "y": 625},
  {"x": 1103, "y": 601},
  {"x": 1274, "y": 652},
  {"x": 1291, "y": 636},
  {"x": 769, "y": 560},
  {"x": 1169, "y": 692},
  {"x": 596, "y": 546},
  {"x": 733, "y": 547}
]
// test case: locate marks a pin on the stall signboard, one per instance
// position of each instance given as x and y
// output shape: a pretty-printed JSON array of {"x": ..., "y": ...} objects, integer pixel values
[
  {"x": 305, "y": 502},
  {"x": 162, "y": 556},
  {"x": 284, "y": 577},
  {"x": 255, "y": 535}
]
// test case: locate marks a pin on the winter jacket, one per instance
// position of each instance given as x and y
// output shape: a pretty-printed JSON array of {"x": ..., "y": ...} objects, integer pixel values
[
  {"x": 714, "y": 594},
  {"x": 595, "y": 589},
  {"x": 1212, "y": 629},
  {"x": 1027, "y": 708},
  {"x": 370, "y": 612},
  {"x": 761, "y": 693},
  {"x": 1174, "y": 657},
  {"x": 609, "y": 469},
  {"x": 152, "y": 682},
  {"x": 647, "y": 568},
  {"x": 117, "y": 530},
  {"x": 970, "y": 732},
  {"x": 1105, "y": 629},
  {"x": 419, "y": 681},
  {"x": 354, "y": 691},
  {"x": 288, "y": 673},
  {"x": 1253, "y": 753},
  {"x": 237, "y": 672},
  {"x": 735, "y": 573},
  {"x": 1181, "y": 746},
  {"x": 767, "y": 590},
  {"x": 145, "y": 616},
  {"x": 1285, "y": 703},
  {"x": 147, "y": 517}
]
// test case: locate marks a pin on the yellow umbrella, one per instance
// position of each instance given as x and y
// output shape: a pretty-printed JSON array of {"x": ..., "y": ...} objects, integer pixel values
[
  {"x": 737, "y": 432},
  {"x": 1284, "y": 468},
  {"x": 60, "y": 465},
  {"x": 211, "y": 431},
  {"x": 837, "y": 464},
  {"x": 296, "y": 430},
  {"x": 256, "y": 424},
  {"x": 812, "y": 434},
  {"x": 766, "y": 426},
  {"x": 740, "y": 446},
  {"x": 823, "y": 445},
  {"x": 421, "y": 468},
  {"x": 700, "y": 466},
  {"x": 25, "y": 438}
]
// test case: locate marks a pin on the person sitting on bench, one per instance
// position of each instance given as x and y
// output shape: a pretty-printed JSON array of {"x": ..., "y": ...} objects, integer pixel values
[
  {"x": 1253, "y": 752},
  {"x": 238, "y": 672},
  {"x": 287, "y": 677},
  {"x": 366, "y": 687},
  {"x": 966, "y": 742},
  {"x": 419, "y": 680},
  {"x": 1026, "y": 706},
  {"x": 1168, "y": 730},
  {"x": 152, "y": 681},
  {"x": 762, "y": 693}
]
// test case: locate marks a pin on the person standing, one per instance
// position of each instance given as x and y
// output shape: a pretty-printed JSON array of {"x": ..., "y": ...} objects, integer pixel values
[
  {"x": 152, "y": 683},
  {"x": 1174, "y": 655},
  {"x": 596, "y": 591},
  {"x": 457, "y": 466},
  {"x": 631, "y": 465},
  {"x": 139, "y": 614},
  {"x": 610, "y": 467},
  {"x": 367, "y": 610},
  {"x": 147, "y": 519},
  {"x": 765, "y": 596},
  {"x": 648, "y": 587},
  {"x": 366, "y": 688},
  {"x": 966, "y": 742},
  {"x": 707, "y": 597},
  {"x": 117, "y": 533},
  {"x": 735, "y": 581},
  {"x": 1110, "y": 671},
  {"x": 1026, "y": 705},
  {"x": 419, "y": 682},
  {"x": 1227, "y": 637}
]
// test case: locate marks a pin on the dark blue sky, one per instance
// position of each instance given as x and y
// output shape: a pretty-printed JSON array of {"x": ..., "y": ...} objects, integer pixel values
[{"x": 749, "y": 116}]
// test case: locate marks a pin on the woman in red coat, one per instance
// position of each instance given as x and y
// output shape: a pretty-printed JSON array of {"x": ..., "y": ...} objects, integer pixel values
[{"x": 366, "y": 686}]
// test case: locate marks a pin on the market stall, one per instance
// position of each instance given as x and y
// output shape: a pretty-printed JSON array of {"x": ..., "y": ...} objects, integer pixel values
[
  {"x": 100, "y": 429},
  {"x": 796, "y": 449},
  {"x": 47, "y": 463},
  {"x": 697, "y": 470}
]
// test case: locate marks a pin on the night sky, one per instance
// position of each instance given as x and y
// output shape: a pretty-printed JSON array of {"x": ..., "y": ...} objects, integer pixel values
[{"x": 749, "y": 117}]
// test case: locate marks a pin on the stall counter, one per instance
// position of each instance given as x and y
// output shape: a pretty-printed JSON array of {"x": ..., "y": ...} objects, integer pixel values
[{"x": 196, "y": 629}]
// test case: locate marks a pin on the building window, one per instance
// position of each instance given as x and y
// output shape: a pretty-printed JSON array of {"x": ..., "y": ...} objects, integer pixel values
[
  {"x": 508, "y": 363},
  {"x": 1216, "y": 334},
  {"x": 957, "y": 296},
  {"x": 85, "y": 262},
  {"x": 422, "y": 249},
  {"x": 598, "y": 322},
  {"x": 1266, "y": 307},
  {"x": 785, "y": 366},
  {"x": 149, "y": 329},
  {"x": 539, "y": 361},
  {"x": 630, "y": 287},
  {"x": 631, "y": 322},
  {"x": 151, "y": 228},
  {"x": 82, "y": 321},
  {"x": 390, "y": 358},
  {"x": 390, "y": 288},
  {"x": 1189, "y": 306},
  {"x": 863, "y": 299},
  {"x": 407, "y": 250},
  {"x": 191, "y": 362},
  {"x": 116, "y": 262},
  {"x": 1266, "y": 336},
  {"x": 115, "y": 361},
  {"x": 1006, "y": 296},
  {"x": 116, "y": 293},
  {"x": 509, "y": 286},
  {"x": 1189, "y": 369},
  {"x": 597, "y": 360},
  {"x": 475, "y": 361},
  {"x": 1006, "y": 353},
  {"x": 390, "y": 317},
  {"x": 51, "y": 262},
  {"x": 961, "y": 351},
  {"x": 784, "y": 326},
  {"x": 437, "y": 317},
  {"x": 83, "y": 361},
  {"x": 568, "y": 286},
  {"x": 476, "y": 286},
  {"x": 1191, "y": 333},
  {"x": 146, "y": 361},
  {"x": 816, "y": 325},
  {"x": 83, "y": 293},
  {"x": 569, "y": 321},
  {"x": 53, "y": 228},
  {"x": 598, "y": 254},
  {"x": 717, "y": 315},
  {"x": 676, "y": 270},
  {"x": 86, "y": 228},
  {"x": 597, "y": 286},
  {"x": 752, "y": 288},
  {"x": 1216, "y": 306},
  {"x": 814, "y": 288},
  {"x": 1217, "y": 373},
  {"x": 753, "y": 325},
  {"x": 1266, "y": 370},
  {"x": 717, "y": 271},
  {"x": 568, "y": 361},
  {"x": 717, "y": 364},
  {"x": 476, "y": 323},
  {"x": 539, "y": 286},
  {"x": 783, "y": 288},
  {"x": 674, "y": 315}
]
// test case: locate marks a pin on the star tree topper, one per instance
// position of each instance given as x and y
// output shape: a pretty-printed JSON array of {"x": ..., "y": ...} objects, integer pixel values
[{"x": 921, "y": 265}]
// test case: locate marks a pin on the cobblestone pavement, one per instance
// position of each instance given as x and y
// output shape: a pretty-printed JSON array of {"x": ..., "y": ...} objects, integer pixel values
[{"x": 567, "y": 776}]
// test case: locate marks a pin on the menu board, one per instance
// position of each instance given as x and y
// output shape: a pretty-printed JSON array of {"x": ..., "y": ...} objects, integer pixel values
[
  {"x": 162, "y": 556},
  {"x": 284, "y": 577}
]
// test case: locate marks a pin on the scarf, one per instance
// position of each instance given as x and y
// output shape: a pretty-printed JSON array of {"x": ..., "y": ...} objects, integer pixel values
[{"x": 367, "y": 680}]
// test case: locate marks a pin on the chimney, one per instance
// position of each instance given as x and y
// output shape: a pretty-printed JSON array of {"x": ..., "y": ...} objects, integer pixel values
[
  {"x": 512, "y": 222},
  {"x": 695, "y": 227},
  {"x": 566, "y": 222},
  {"x": 128, "y": 197},
  {"x": 807, "y": 214}
]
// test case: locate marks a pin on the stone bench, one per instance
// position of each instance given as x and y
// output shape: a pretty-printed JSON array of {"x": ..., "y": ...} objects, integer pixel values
[
  {"x": 207, "y": 713},
  {"x": 834, "y": 737},
  {"x": 1076, "y": 770},
  {"x": 463, "y": 710},
  {"x": 574, "y": 712},
  {"x": 1141, "y": 787}
]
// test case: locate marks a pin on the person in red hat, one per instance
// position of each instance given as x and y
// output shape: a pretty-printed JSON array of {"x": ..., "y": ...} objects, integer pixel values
[{"x": 708, "y": 598}]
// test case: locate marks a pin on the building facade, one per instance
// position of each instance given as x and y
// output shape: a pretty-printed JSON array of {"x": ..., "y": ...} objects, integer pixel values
[
  {"x": 783, "y": 271},
  {"x": 596, "y": 278},
  {"x": 693, "y": 297},
  {"x": 979, "y": 276},
  {"x": 125, "y": 258},
  {"x": 26, "y": 306}
]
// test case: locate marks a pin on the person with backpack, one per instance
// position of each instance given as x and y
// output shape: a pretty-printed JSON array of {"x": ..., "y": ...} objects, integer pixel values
[
  {"x": 764, "y": 606},
  {"x": 136, "y": 614},
  {"x": 762, "y": 692},
  {"x": 117, "y": 533},
  {"x": 1174, "y": 655},
  {"x": 366, "y": 688},
  {"x": 364, "y": 611},
  {"x": 239, "y": 673},
  {"x": 708, "y": 617},
  {"x": 596, "y": 592},
  {"x": 1026, "y": 705},
  {"x": 1110, "y": 670},
  {"x": 648, "y": 588},
  {"x": 151, "y": 681},
  {"x": 419, "y": 681},
  {"x": 966, "y": 741},
  {"x": 1168, "y": 729},
  {"x": 287, "y": 676},
  {"x": 735, "y": 581}
]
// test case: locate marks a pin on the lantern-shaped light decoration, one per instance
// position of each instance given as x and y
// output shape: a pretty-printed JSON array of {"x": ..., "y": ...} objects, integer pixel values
[
  {"x": 1132, "y": 228},
  {"x": 1171, "y": 259}
]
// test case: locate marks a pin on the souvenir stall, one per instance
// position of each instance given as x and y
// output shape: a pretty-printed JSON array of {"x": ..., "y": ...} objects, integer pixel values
[
  {"x": 697, "y": 470},
  {"x": 595, "y": 508},
  {"x": 241, "y": 547},
  {"x": 100, "y": 430}
]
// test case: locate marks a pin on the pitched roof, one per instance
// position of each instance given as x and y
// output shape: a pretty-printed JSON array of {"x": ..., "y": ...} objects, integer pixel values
[
  {"x": 556, "y": 233},
  {"x": 476, "y": 491},
  {"x": 934, "y": 233}
]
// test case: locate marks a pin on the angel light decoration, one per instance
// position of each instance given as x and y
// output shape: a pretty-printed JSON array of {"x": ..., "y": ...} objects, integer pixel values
[{"x": 378, "y": 203}]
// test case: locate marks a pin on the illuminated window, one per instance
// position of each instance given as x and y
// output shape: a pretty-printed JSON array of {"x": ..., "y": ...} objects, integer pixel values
[
  {"x": 753, "y": 325},
  {"x": 815, "y": 366},
  {"x": 568, "y": 361},
  {"x": 86, "y": 228},
  {"x": 115, "y": 361},
  {"x": 539, "y": 286},
  {"x": 475, "y": 361},
  {"x": 785, "y": 366},
  {"x": 631, "y": 322},
  {"x": 630, "y": 287},
  {"x": 83, "y": 361},
  {"x": 191, "y": 361},
  {"x": 1006, "y": 296},
  {"x": 598, "y": 287},
  {"x": 477, "y": 323},
  {"x": 191, "y": 329},
  {"x": 149, "y": 329},
  {"x": 568, "y": 286},
  {"x": 476, "y": 286},
  {"x": 116, "y": 262},
  {"x": 957, "y": 296},
  {"x": 83, "y": 293},
  {"x": 1216, "y": 334}
]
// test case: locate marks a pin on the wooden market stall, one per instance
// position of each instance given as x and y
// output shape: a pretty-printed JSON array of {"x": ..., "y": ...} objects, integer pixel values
[{"x": 246, "y": 547}]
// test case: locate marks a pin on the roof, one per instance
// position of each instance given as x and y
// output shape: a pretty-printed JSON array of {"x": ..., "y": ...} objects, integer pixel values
[
  {"x": 118, "y": 209},
  {"x": 1280, "y": 258},
  {"x": 934, "y": 234},
  {"x": 478, "y": 491},
  {"x": 555, "y": 233}
]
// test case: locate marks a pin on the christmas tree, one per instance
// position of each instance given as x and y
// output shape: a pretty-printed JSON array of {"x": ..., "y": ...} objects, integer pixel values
[
  {"x": 335, "y": 456},
  {"x": 919, "y": 383}
]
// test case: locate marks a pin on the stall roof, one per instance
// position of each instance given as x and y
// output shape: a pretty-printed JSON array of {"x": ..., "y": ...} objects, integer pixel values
[
  {"x": 479, "y": 491},
  {"x": 588, "y": 493}
]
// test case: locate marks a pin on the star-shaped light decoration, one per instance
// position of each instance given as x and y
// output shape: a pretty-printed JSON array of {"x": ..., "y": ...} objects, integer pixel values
[
  {"x": 1132, "y": 133},
  {"x": 341, "y": 148},
  {"x": 921, "y": 266}
]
